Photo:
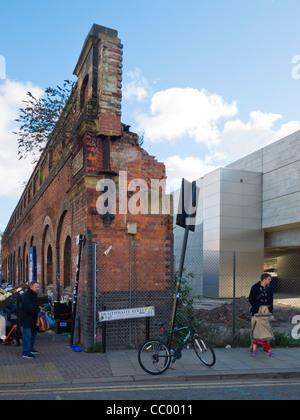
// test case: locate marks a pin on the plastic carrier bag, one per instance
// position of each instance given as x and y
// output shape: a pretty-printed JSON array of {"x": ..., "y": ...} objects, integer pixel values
[{"x": 44, "y": 322}]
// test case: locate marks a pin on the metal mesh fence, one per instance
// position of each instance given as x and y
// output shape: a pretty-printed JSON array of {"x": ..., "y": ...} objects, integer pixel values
[
  {"x": 130, "y": 277},
  {"x": 224, "y": 282},
  {"x": 215, "y": 284}
]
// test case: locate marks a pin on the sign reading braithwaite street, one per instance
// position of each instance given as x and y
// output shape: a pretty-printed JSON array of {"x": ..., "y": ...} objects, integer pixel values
[{"x": 132, "y": 313}]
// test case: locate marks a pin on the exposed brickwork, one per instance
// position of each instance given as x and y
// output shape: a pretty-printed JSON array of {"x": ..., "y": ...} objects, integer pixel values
[
  {"x": 60, "y": 199},
  {"x": 110, "y": 124}
]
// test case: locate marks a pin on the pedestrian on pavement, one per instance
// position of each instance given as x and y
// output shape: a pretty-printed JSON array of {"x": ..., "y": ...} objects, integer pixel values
[
  {"x": 28, "y": 319},
  {"x": 262, "y": 331},
  {"x": 262, "y": 294}
]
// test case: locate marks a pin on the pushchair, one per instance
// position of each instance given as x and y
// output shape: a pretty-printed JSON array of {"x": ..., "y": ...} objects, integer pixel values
[{"x": 9, "y": 311}]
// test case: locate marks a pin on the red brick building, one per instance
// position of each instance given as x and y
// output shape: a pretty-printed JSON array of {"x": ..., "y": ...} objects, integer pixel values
[{"x": 60, "y": 202}]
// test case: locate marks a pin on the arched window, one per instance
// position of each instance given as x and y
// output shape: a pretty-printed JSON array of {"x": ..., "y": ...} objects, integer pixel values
[
  {"x": 49, "y": 269},
  {"x": 27, "y": 269},
  {"x": 24, "y": 265},
  {"x": 19, "y": 266},
  {"x": 14, "y": 269}
]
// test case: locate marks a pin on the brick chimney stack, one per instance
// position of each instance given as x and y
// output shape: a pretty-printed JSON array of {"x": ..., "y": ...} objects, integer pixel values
[{"x": 99, "y": 72}]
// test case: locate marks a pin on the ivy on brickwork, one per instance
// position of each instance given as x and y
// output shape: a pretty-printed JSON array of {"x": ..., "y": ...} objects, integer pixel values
[{"x": 43, "y": 116}]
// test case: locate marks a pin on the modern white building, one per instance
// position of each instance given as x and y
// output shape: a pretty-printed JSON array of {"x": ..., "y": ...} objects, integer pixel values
[{"x": 252, "y": 207}]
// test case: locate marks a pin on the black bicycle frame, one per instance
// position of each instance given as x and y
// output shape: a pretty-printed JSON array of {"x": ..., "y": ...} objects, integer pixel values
[{"x": 171, "y": 333}]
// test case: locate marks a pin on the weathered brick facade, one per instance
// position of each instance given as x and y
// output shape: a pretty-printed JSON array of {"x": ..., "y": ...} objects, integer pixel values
[{"x": 60, "y": 200}]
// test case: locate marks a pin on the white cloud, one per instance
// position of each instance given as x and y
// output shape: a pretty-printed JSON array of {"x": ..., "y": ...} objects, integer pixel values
[
  {"x": 183, "y": 114},
  {"x": 236, "y": 140},
  {"x": 188, "y": 112},
  {"x": 138, "y": 88},
  {"x": 190, "y": 168},
  {"x": 12, "y": 171},
  {"x": 239, "y": 139}
]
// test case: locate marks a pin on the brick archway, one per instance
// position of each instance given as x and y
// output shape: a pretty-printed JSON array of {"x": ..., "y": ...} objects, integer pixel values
[
  {"x": 14, "y": 269},
  {"x": 49, "y": 280},
  {"x": 25, "y": 272},
  {"x": 19, "y": 265},
  {"x": 63, "y": 229},
  {"x": 46, "y": 254},
  {"x": 67, "y": 280}
]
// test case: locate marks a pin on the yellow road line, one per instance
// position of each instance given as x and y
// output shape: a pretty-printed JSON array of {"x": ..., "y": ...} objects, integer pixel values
[{"x": 151, "y": 387}]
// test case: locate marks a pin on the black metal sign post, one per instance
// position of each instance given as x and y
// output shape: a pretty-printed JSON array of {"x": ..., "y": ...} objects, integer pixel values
[
  {"x": 187, "y": 211},
  {"x": 80, "y": 241}
]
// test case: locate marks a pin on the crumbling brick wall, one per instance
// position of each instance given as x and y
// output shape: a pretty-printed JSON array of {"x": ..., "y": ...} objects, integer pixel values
[{"x": 60, "y": 199}]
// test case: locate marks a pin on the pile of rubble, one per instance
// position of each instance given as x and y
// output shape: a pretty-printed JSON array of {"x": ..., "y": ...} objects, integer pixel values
[{"x": 223, "y": 312}]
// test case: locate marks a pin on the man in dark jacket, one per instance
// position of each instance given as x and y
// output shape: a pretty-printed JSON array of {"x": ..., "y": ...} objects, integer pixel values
[
  {"x": 262, "y": 294},
  {"x": 28, "y": 318}
]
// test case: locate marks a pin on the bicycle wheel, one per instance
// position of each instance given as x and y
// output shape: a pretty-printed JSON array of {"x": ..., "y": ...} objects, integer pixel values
[
  {"x": 154, "y": 357},
  {"x": 204, "y": 351}
]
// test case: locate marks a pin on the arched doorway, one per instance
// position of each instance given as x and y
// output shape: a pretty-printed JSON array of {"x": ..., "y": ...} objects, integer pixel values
[
  {"x": 49, "y": 266},
  {"x": 63, "y": 248},
  {"x": 25, "y": 264},
  {"x": 47, "y": 257},
  {"x": 14, "y": 269},
  {"x": 67, "y": 263},
  {"x": 27, "y": 269},
  {"x": 19, "y": 277}
]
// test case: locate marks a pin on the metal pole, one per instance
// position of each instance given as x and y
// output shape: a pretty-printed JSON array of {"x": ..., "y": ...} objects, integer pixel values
[
  {"x": 181, "y": 265},
  {"x": 81, "y": 240},
  {"x": 234, "y": 300},
  {"x": 104, "y": 333},
  {"x": 180, "y": 275},
  {"x": 147, "y": 328},
  {"x": 95, "y": 293}
]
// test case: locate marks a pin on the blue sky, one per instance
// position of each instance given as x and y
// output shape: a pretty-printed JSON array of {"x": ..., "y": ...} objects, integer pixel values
[{"x": 206, "y": 81}]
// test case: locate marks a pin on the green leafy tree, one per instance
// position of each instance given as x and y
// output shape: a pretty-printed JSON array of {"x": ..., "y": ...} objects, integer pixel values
[
  {"x": 38, "y": 119},
  {"x": 185, "y": 308}
]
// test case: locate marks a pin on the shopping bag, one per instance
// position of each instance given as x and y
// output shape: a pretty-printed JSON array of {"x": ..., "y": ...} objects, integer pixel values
[
  {"x": 50, "y": 320},
  {"x": 44, "y": 322}
]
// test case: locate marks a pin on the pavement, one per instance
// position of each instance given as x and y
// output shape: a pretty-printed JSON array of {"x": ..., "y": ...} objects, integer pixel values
[{"x": 57, "y": 363}]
